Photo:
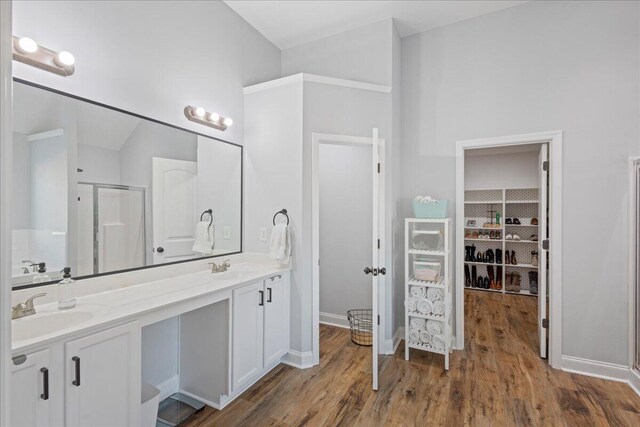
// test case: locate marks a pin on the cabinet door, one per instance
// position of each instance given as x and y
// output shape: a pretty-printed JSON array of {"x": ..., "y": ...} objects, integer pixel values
[
  {"x": 103, "y": 378},
  {"x": 29, "y": 394},
  {"x": 248, "y": 312},
  {"x": 276, "y": 319}
]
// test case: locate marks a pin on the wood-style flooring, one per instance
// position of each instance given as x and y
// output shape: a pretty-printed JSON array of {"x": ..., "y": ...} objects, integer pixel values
[{"x": 498, "y": 380}]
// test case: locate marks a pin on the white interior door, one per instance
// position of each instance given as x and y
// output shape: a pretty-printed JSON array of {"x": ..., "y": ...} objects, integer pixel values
[
  {"x": 542, "y": 252},
  {"x": 174, "y": 213},
  {"x": 377, "y": 248}
]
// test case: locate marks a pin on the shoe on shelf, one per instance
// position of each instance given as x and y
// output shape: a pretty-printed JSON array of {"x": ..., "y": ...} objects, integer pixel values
[
  {"x": 467, "y": 234},
  {"x": 508, "y": 237},
  {"x": 474, "y": 234},
  {"x": 474, "y": 277},
  {"x": 472, "y": 253},
  {"x": 534, "y": 237},
  {"x": 534, "y": 258},
  {"x": 507, "y": 257},
  {"x": 508, "y": 284},
  {"x": 533, "y": 282},
  {"x": 515, "y": 282},
  {"x": 499, "y": 259},
  {"x": 499, "y": 278},
  {"x": 486, "y": 282},
  {"x": 515, "y": 236},
  {"x": 508, "y": 221},
  {"x": 534, "y": 221},
  {"x": 514, "y": 261},
  {"x": 467, "y": 276},
  {"x": 467, "y": 255},
  {"x": 516, "y": 221}
]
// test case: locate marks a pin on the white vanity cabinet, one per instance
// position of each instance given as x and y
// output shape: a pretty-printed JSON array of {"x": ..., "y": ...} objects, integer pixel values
[
  {"x": 260, "y": 329},
  {"x": 89, "y": 381},
  {"x": 103, "y": 378},
  {"x": 30, "y": 391}
]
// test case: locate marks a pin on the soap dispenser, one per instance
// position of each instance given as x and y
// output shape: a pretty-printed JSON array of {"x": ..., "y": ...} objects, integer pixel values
[
  {"x": 41, "y": 276},
  {"x": 66, "y": 291}
]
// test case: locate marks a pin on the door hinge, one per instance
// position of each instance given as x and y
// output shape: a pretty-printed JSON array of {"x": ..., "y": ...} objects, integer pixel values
[
  {"x": 545, "y": 244},
  {"x": 378, "y": 243},
  {"x": 378, "y": 167},
  {"x": 545, "y": 323},
  {"x": 545, "y": 165},
  {"x": 378, "y": 319}
]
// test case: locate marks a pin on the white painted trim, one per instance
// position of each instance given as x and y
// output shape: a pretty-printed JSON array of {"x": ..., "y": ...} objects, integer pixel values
[
  {"x": 594, "y": 368},
  {"x": 314, "y": 78},
  {"x": 390, "y": 346},
  {"x": 554, "y": 140},
  {"x": 631, "y": 258},
  {"x": 169, "y": 387},
  {"x": 45, "y": 135},
  {"x": 6, "y": 148},
  {"x": 331, "y": 139},
  {"x": 334, "y": 320},
  {"x": 634, "y": 381},
  {"x": 297, "y": 359}
]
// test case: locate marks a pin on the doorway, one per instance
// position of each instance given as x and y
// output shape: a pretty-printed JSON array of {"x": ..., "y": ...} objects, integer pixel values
[
  {"x": 370, "y": 242},
  {"x": 508, "y": 225}
]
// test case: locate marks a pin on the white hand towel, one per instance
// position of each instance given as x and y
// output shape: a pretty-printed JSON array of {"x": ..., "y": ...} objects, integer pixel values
[
  {"x": 412, "y": 304},
  {"x": 437, "y": 341},
  {"x": 414, "y": 335},
  {"x": 425, "y": 337},
  {"x": 434, "y": 294},
  {"x": 438, "y": 308},
  {"x": 205, "y": 239},
  {"x": 417, "y": 323},
  {"x": 425, "y": 306},
  {"x": 280, "y": 248},
  {"x": 434, "y": 327},
  {"x": 418, "y": 291}
]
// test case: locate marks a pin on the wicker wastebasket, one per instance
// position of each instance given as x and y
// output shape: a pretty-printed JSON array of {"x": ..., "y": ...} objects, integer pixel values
[{"x": 361, "y": 324}]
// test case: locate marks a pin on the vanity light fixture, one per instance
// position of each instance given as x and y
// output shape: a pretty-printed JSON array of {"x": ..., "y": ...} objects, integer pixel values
[
  {"x": 199, "y": 115},
  {"x": 27, "y": 51}
]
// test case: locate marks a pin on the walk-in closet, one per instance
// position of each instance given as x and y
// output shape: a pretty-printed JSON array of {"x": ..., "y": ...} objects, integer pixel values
[{"x": 505, "y": 228}]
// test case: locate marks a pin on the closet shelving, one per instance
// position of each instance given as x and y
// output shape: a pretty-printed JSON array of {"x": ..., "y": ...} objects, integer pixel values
[
  {"x": 439, "y": 230},
  {"x": 521, "y": 203}
]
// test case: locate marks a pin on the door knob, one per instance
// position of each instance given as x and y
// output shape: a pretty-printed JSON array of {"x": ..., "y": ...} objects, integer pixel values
[
  {"x": 383, "y": 271},
  {"x": 160, "y": 249},
  {"x": 368, "y": 270}
]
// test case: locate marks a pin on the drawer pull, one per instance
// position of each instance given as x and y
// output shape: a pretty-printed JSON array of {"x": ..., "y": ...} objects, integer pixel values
[
  {"x": 45, "y": 384},
  {"x": 76, "y": 361},
  {"x": 19, "y": 360},
  {"x": 261, "y": 298},
  {"x": 269, "y": 295}
]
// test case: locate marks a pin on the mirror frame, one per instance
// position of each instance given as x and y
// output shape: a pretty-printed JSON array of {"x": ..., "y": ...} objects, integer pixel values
[{"x": 140, "y": 116}]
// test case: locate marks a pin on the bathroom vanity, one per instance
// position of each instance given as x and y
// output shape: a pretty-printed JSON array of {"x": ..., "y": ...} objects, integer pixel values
[{"x": 83, "y": 366}]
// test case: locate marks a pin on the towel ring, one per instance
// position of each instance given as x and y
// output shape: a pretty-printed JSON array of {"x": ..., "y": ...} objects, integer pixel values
[
  {"x": 283, "y": 212},
  {"x": 210, "y": 212}
]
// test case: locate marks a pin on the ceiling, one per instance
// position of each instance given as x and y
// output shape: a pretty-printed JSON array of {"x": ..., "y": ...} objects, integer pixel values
[
  {"x": 290, "y": 23},
  {"x": 36, "y": 110}
]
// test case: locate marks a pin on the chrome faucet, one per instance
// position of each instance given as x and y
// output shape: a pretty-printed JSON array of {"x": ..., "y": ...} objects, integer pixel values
[
  {"x": 33, "y": 265},
  {"x": 25, "y": 308},
  {"x": 215, "y": 268}
]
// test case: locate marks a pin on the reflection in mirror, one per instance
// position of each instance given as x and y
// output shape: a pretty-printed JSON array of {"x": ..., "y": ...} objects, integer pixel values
[{"x": 101, "y": 190}]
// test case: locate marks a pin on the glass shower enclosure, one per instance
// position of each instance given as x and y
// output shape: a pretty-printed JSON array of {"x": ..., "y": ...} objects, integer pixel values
[{"x": 111, "y": 228}]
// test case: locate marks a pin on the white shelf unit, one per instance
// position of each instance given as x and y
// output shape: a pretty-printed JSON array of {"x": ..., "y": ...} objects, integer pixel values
[
  {"x": 521, "y": 203},
  {"x": 416, "y": 227}
]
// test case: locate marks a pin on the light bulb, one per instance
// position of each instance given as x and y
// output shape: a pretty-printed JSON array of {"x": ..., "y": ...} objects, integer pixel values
[
  {"x": 214, "y": 117},
  {"x": 227, "y": 121},
  {"x": 65, "y": 59},
  {"x": 27, "y": 45},
  {"x": 200, "y": 112}
]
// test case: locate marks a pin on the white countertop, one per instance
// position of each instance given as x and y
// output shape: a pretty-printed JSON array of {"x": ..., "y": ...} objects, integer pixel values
[{"x": 137, "y": 300}]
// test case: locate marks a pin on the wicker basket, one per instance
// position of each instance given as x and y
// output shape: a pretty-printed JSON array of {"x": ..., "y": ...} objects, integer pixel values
[{"x": 361, "y": 324}]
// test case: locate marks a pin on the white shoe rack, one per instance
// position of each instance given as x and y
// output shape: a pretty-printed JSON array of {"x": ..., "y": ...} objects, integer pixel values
[
  {"x": 521, "y": 203},
  {"x": 424, "y": 340}
]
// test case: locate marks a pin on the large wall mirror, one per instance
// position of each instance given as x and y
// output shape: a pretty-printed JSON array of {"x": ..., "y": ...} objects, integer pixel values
[{"x": 101, "y": 190}]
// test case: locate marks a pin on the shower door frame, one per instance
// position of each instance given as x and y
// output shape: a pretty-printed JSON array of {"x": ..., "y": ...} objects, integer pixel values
[{"x": 96, "y": 186}]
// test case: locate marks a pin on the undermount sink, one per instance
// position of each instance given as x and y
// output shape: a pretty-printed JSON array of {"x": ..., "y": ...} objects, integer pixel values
[
  {"x": 49, "y": 321},
  {"x": 236, "y": 274}
]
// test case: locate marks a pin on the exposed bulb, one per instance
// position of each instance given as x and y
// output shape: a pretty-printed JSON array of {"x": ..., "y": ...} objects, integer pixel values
[
  {"x": 27, "y": 45},
  {"x": 227, "y": 121},
  {"x": 214, "y": 117},
  {"x": 65, "y": 59},
  {"x": 200, "y": 112}
]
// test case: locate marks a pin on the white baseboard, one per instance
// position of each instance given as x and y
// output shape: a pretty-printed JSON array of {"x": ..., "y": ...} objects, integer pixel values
[
  {"x": 297, "y": 359},
  {"x": 390, "y": 346},
  {"x": 594, "y": 368},
  {"x": 169, "y": 387},
  {"x": 334, "y": 320}
]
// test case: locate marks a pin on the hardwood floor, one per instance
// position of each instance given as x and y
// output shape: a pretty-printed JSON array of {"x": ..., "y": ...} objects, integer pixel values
[{"x": 497, "y": 380}]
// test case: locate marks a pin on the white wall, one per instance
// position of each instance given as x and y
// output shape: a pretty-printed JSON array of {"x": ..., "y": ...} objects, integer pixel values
[
  {"x": 152, "y": 57},
  {"x": 345, "y": 228},
  {"x": 542, "y": 66},
  {"x": 99, "y": 165},
  {"x": 49, "y": 184},
  {"x": 21, "y": 212},
  {"x": 363, "y": 54},
  {"x": 507, "y": 170}
]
